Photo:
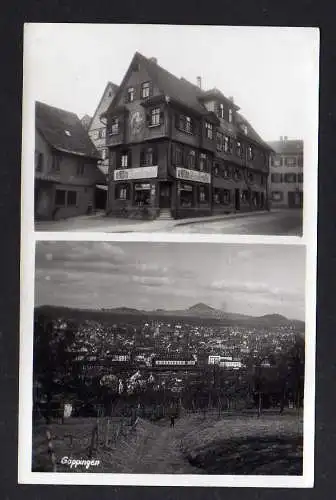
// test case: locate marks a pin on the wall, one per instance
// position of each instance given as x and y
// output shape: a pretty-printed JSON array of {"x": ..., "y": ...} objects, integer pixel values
[{"x": 284, "y": 187}]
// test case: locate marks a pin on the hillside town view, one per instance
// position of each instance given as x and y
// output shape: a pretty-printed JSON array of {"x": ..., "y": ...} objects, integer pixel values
[{"x": 145, "y": 387}]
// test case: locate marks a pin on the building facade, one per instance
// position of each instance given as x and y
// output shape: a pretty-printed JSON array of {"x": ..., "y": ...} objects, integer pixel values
[
  {"x": 66, "y": 172},
  {"x": 176, "y": 150},
  {"x": 286, "y": 173}
]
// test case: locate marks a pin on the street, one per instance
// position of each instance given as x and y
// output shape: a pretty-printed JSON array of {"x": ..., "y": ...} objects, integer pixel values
[
  {"x": 277, "y": 222},
  {"x": 286, "y": 223}
]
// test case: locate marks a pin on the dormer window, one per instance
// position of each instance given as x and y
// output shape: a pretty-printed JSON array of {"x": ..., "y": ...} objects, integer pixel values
[
  {"x": 230, "y": 115},
  {"x": 131, "y": 94}
]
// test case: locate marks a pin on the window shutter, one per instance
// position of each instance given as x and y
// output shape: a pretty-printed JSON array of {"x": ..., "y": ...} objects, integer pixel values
[
  {"x": 161, "y": 116},
  {"x": 129, "y": 163}
]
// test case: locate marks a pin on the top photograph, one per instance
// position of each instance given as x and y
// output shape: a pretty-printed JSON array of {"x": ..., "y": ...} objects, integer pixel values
[{"x": 171, "y": 129}]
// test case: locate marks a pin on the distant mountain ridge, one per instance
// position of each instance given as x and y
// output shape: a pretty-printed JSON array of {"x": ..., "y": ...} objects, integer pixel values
[{"x": 199, "y": 310}]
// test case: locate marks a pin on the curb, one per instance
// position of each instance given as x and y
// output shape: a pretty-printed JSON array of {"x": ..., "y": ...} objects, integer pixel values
[{"x": 235, "y": 215}]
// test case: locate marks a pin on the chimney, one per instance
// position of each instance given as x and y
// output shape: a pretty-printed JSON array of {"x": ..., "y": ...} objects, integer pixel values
[
  {"x": 231, "y": 98},
  {"x": 153, "y": 60},
  {"x": 285, "y": 138},
  {"x": 199, "y": 81}
]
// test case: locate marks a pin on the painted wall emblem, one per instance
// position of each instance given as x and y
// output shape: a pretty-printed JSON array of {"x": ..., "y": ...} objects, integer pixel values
[{"x": 137, "y": 122}]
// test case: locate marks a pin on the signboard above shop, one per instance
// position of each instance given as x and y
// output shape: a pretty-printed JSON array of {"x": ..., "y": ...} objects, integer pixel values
[
  {"x": 135, "y": 173},
  {"x": 193, "y": 175}
]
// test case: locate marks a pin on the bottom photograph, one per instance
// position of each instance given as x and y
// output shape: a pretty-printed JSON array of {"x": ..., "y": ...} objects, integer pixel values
[{"x": 168, "y": 358}]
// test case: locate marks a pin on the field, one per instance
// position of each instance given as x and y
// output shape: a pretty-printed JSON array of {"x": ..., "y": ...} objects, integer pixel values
[{"x": 269, "y": 445}]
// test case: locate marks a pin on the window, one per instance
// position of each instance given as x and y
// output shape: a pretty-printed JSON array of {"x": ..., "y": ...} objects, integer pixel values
[
  {"x": 191, "y": 159},
  {"x": 124, "y": 160},
  {"x": 237, "y": 175},
  {"x": 202, "y": 194},
  {"x": 277, "y": 161},
  {"x": 114, "y": 127},
  {"x": 38, "y": 161},
  {"x": 220, "y": 141},
  {"x": 290, "y": 161},
  {"x": 80, "y": 168},
  {"x": 155, "y": 117},
  {"x": 184, "y": 123},
  {"x": 227, "y": 173},
  {"x": 145, "y": 90},
  {"x": 55, "y": 166},
  {"x": 101, "y": 133},
  {"x": 202, "y": 162},
  {"x": 60, "y": 198},
  {"x": 290, "y": 178},
  {"x": 121, "y": 192},
  {"x": 209, "y": 130},
  {"x": 216, "y": 169},
  {"x": 131, "y": 94},
  {"x": 277, "y": 196},
  {"x": 148, "y": 157},
  {"x": 104, "y": 153},
  {"x": 178, "y": 156},
  {"x": 221, "y": 110},
  {"x": 72, "y": 198},
  {"x": 300, "y": 161},
  {"x": 276, "y": 177},
  {"x": 216, "y": 196},
  {"x": 238, "y": 149},
  {"x": 250, "y": 153},
  {"x": 230, "y": 115},
  {"x": 300, "y": 177},
  {"x": 226, "y": 144}
]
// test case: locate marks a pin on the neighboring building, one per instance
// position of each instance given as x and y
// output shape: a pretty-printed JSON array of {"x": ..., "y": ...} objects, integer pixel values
[
  {"x": 286, "y": 173},
  {"x": 234, "y": 364},
  {"x": 97, "y": 131},
  {"x": 174, "y": 360},
  {"x": 66, "y": 172},
  {"x": 177, "y": 150},
  {"x": 85, "y": 121}
]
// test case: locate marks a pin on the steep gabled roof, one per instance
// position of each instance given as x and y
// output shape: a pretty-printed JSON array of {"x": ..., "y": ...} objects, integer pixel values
[
  {"x": 287, "y": 146},
  {"x": 63, "y": 131},
  {"x": 251, "y": 133},
  {"x": 114, "y": 88}
]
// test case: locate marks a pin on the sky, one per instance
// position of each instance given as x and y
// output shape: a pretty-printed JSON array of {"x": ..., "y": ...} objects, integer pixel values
[
  {"x": 239, "y": 278},
  {"x": 270, "y": 72}
]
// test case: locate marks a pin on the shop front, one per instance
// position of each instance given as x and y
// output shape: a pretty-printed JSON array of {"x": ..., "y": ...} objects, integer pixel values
[{"x": 193, "y": 193}]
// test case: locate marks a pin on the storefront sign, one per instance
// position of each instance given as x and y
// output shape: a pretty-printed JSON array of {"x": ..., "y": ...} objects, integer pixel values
[
  {"x": 193, "y": 175},
  {"x": 135, "y": 173},
  {"x": 142, "y": 187}
]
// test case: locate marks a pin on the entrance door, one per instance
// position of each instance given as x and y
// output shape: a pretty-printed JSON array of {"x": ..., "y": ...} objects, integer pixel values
[
  {"x": 165, "y": 195},
  {"x": 237, "y": 199}
]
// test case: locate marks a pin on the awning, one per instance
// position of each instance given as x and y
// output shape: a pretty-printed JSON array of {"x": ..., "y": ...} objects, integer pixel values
[{"x": 101, "y": 186}]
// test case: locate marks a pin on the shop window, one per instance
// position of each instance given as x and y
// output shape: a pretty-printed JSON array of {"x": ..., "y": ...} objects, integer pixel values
[
  {"x": 38, "y": 161},
  {"x": 216, "y": 197},
  {"x": 121, "y": 192},
  {"x": 55, "y": 166},
  {"x": 277, "y": 195},
  {"x": 209, "y": 131},
  {"x": 130, "y": 94},
  {"x": 142, "y": 194},
  {"x": 114, "y": 126},
  {"x": 60, "y": 198},
  {"x": 191, "y": 159},
  {"x": 72, "y": 198},
  {"x": 145, "y": 90},
  {"x": 202, "y": 162},
  {"x": 245, "y": 196},
  {"x": 290, "y": 178},
  {"x": 203, "y": 194},
  {"x": 226, "y": 196},
  {"x": 186, "y": 196}
]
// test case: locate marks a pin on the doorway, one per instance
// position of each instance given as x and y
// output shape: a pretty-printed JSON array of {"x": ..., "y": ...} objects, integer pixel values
[
  {"x": 237, "y": 199},
  {"x": 165, "y": 195}
]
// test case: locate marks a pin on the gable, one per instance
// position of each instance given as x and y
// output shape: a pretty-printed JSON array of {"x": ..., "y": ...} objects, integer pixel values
[{"x": 105, "y": 101}]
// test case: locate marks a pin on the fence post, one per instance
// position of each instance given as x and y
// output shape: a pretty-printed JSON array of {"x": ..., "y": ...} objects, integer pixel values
[{"x": 51, "y": 451}]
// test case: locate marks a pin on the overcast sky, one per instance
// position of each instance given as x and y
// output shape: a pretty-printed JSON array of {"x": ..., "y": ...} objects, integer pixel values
[
  {"x": 270, "y": 71},
  {"x": 248, "y": 279}
]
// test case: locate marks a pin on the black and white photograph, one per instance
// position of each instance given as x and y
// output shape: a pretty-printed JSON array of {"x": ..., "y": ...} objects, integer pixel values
[
  {"x": 151, "y": 359},
  {"x": 178, "y": 129},
  {"x": 168, "y": 255}
]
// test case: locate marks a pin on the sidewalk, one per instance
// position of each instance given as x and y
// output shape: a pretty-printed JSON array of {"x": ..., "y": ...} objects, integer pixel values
[{"x": 102, "y": 223}]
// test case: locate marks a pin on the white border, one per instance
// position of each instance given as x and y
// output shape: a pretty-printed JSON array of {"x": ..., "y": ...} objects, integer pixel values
[{"x": 28, "y": 240}]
